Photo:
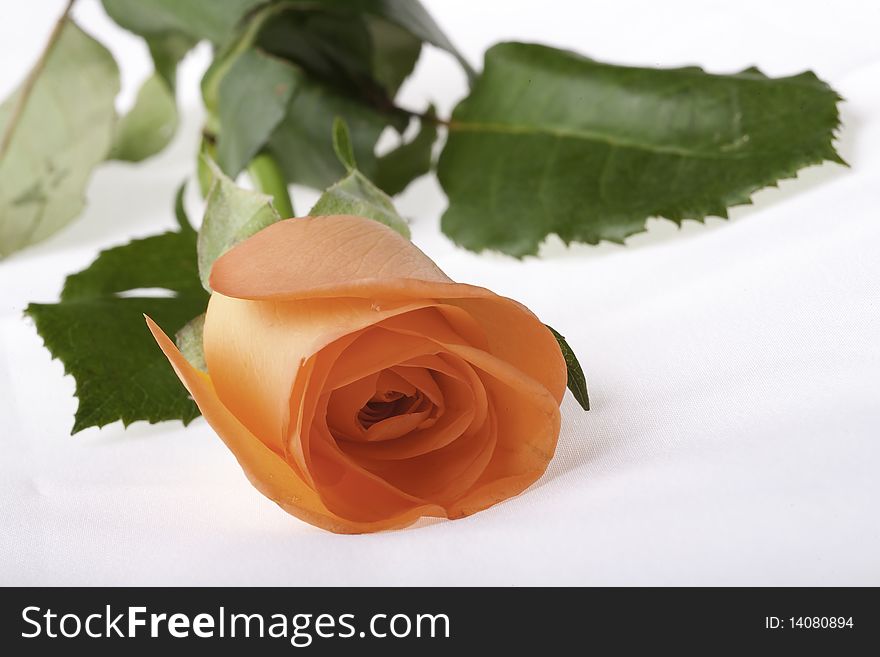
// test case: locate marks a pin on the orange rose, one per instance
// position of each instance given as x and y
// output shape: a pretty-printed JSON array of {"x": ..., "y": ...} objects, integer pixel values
[{"x": 360, "y": 388}]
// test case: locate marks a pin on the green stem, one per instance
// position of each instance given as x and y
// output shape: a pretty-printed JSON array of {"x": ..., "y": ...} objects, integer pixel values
[{"x": 269, "y": 179}]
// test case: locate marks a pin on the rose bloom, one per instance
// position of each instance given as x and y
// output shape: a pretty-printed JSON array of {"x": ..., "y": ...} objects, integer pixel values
[{"x": 360, "y": 388}]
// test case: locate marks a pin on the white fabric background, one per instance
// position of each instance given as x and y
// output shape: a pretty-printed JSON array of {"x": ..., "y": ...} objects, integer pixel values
[{"x": 734, "y": 368}]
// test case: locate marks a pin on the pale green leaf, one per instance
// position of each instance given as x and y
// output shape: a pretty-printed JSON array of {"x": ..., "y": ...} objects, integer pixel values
[
  {"x": 342, "y": 144},
  {"x": 167, "y": 49},
  {"x": 355, "y": 194},
  {"x": 149, "y": 126},
  {"x": 207, "y": 153},
  {"x": 52, "y": 138},
  {"x": 232, "y": 214},
  {"x": 189, "y": 340}
]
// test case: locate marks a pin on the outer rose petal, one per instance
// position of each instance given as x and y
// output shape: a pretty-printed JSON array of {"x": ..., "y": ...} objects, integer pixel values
[
  {"x": 339, "y": 256},
  {"x": 353, "y": 257},
  {"x": 267, "y": 471},
  {"x": 254, "y": 350}
]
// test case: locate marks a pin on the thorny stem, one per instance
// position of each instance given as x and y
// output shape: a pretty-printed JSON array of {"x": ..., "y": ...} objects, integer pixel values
[{"x": 28, "y": 86}]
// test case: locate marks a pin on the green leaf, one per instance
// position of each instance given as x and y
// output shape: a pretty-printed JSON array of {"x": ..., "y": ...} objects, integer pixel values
[
  {"x": 253, "y": 98},
  {"x": 333, "y": 47},
  {"x": 350, "y": 57},
  {"x": 355, "y": 194},
  {"x": 149, "y": 126},
  {"x": 190, "y": 341},
  {"x": 551, "y": 142},
  {"x": 303, "y": 144},
  {"x": 395, "y": 53},
  {"x": 294, "y": 125},
  {"x": 577, "y": 383},
  {"x": 342, "y": 145},
  {"x": 353, "y": 42},
  {"x": 180, "y": 210},
  {"x": 398, "y": 168},
  {"x": 97, "y": 330},
  {"x": 167, "y": 49},
  {"x": 232, "y": 214},
  {"x": 410, "y": 15},
  {"x": 207, "y": 153},
  {"x": 199, "y": 19},
  {"x": 172, "y": 28},
  {"x": 54, "y": 130}
]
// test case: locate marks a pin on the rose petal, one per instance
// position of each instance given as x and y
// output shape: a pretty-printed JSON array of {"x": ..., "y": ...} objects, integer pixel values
[
  {"x": 444, "y": 475},
  {"x": 268, "y": 472},
  {"x": 254, "y": 351},
  {"x": 344, "y": 487},
  {"x": 346, "y": 256},
  {"x": 528, "y": 428},
  {"x": 516, "y": 336},
  {"x": 357, "y": 257},
  {"x": 422, "y": 380},
  {"x": 345, "y": 402},
  {"x": 465, "y": 412}
]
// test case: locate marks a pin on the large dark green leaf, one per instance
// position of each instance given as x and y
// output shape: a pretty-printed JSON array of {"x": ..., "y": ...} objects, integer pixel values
[
  {"x": 552, "y": 142},
  {"x": 97, "y": 329},
  {"x": 54, "y": 129}
]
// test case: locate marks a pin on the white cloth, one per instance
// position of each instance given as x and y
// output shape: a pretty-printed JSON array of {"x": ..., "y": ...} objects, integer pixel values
[{"x": 734, "y": 368}]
